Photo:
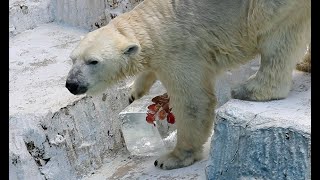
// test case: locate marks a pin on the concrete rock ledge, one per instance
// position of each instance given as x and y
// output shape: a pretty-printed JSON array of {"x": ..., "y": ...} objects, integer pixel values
[
  {"x": 68, "y": 143},
  {"x": 264, "y": 140}
]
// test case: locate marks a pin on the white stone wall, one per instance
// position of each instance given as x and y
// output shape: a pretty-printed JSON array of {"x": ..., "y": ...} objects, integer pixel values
[
  {"x": 87, "y": 14},
  {"x": 90, "y": 14}
]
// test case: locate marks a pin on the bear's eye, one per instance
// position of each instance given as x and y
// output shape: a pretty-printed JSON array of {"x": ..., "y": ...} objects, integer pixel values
[{"x": 92, "y": 62}]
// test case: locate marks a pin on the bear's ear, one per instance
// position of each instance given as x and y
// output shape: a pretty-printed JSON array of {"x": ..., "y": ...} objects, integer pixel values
[{"x": 131, "y": 49}]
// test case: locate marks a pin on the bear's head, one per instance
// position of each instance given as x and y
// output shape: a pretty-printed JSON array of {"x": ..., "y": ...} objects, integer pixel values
[{"x": 102, "y": 57}]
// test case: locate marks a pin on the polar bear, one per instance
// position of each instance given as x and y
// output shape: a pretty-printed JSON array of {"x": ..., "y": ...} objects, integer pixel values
[{"x": 186, "y": 44}]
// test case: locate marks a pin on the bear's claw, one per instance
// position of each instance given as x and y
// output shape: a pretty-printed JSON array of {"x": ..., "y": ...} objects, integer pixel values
[{"x": 131, "y": 99}]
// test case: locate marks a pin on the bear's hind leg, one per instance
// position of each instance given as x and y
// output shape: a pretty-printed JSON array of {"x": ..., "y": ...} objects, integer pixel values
[
  {"x": 142, "y": 85},
  {"x": 280, "y": 50}
]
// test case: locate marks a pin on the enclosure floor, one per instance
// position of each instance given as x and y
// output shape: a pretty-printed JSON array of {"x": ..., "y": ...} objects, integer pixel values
[{"x": 125, "y": 166}]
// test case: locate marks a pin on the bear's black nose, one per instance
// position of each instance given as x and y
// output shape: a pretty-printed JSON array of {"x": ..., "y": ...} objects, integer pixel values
[
  {"x": 76, "y": 88},
  {"x": 72, "y": 87}
]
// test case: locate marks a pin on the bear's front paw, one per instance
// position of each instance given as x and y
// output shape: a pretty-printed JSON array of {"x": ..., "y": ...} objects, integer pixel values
[{"x": 172, "y": 161}]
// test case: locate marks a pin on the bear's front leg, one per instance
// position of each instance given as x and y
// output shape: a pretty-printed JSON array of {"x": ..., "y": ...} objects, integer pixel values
[
  {"x": 142, "y": 85},
  {"x": 193, "y": 104}
]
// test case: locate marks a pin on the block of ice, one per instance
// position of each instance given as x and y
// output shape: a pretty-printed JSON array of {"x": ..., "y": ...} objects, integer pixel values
[{"x": 142, "y": 138}]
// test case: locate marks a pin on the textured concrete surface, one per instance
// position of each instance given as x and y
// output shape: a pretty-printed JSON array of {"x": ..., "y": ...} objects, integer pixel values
[
  {"x": 52, "y": 133},
  {"x": 39, "y": 61},
  {"x": 127, "y": 167},
  {"x": 264, "y": 140}
]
